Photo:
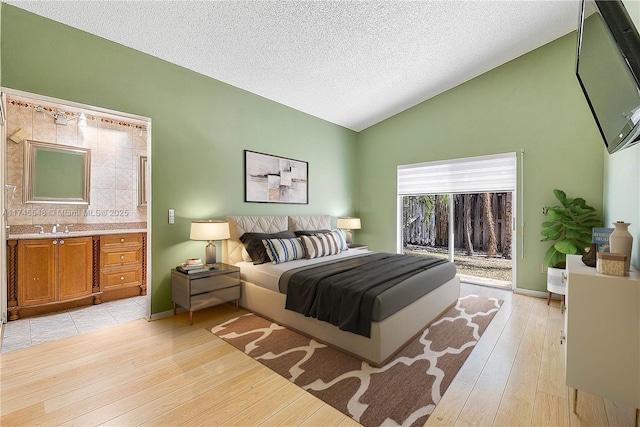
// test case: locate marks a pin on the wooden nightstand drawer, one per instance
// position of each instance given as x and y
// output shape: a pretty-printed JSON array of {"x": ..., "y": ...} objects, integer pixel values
[
  {"x": 112, "y": 259},
  {"x": 121, "y": 278},
  {"x": 213, "y": 283}
]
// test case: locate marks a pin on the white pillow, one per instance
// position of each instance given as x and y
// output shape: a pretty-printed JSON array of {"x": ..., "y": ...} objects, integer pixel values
[
  {"x": 320, "y": 245},
  {"x": 283, "y": 250}
]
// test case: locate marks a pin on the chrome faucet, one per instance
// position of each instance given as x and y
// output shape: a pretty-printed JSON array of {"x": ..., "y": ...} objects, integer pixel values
[
  {"x": 54, "y": 229},
  {"x": 41, "y": 229},
  {"x": 66, "y": 228}
]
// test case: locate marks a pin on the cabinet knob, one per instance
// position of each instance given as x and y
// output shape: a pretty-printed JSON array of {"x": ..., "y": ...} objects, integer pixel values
[
  {"x": 62, "y": 242},
  {"x": 121, "y": 256},
  {"x": 121, "y": 277},
  {"x": 122, "y": 240},
  {"x": 55, "y": 242}
]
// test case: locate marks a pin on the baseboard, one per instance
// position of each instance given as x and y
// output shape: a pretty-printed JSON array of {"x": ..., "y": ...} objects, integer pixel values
[
  {"x": 161, "y": 315},
  {"x": 531, "y": 293}
]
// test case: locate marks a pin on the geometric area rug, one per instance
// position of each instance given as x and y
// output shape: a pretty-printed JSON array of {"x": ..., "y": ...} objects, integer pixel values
[{"x": 402, "y": 392}]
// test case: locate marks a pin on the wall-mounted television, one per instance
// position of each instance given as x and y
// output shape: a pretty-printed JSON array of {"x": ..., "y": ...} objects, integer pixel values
[{"x": 608, "y": 69}]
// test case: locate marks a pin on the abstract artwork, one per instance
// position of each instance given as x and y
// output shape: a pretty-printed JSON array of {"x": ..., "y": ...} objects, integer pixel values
[{"x": 273, "y": 179}]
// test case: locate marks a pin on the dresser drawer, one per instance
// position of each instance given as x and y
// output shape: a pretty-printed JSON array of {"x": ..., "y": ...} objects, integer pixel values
[
  {"x": 121, "y": 278},
  {"x": 121, "y": 257},
  {"x": 212, "y": 283},
  {"x": 118, "y": 240}
]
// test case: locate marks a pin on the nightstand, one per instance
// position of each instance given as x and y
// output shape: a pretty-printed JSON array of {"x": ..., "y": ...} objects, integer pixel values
[
  {"x": 360, "y": 247},
  {"x": 200, "y": 290}
]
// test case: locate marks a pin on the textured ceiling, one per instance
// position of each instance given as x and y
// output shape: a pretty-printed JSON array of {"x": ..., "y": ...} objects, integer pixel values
[{"x": 353, "y": 63}]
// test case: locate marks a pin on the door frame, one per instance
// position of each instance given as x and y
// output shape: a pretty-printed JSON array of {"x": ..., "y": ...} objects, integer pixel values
[{"x": 3, "y": 212}]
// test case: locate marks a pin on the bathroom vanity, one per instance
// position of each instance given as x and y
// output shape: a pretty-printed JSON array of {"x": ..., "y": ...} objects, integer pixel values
[{"x": 53, "y": 272}]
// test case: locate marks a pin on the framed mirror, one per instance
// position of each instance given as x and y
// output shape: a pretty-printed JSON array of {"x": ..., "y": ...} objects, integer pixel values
[
  {"x": 143, "y": 175},
  {"x": 56, "y": 173}
]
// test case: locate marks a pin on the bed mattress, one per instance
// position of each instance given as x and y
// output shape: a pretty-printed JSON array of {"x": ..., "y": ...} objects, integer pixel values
[{"x": 385, "y": 304}]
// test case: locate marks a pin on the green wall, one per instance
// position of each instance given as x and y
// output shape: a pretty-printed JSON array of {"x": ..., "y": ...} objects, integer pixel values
[
  {"x": 533, "y": 103},
  {"x": 200, "y": 128}
]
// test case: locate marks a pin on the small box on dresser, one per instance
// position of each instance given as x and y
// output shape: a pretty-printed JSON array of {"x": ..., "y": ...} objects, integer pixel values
[
  {"x": 611, "y": 264},
  {"x": 205, "y": 289}
]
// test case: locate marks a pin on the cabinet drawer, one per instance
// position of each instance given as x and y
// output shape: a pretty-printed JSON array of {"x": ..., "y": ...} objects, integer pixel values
[
  {"x": 212, "y": 283},
  {"x": 118, "y": 240},
  {"x": 121, "y": 278},
  {"x": 214, "y": 298},
  {"x": 122, "y": 257}
]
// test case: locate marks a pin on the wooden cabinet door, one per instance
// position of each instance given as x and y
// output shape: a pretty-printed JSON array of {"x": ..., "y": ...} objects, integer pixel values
[
  {"x": 75, "y": 267},
  {"x": 37, "y": 275}
]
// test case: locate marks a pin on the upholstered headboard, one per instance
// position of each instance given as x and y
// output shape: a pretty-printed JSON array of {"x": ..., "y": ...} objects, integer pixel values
[
  {"x": 238, "y": 225},
  {"x": 309, "y": 222}
]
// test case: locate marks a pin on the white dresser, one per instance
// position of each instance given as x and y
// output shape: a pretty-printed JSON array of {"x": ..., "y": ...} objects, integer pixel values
[{"x": 602, "y": 330}]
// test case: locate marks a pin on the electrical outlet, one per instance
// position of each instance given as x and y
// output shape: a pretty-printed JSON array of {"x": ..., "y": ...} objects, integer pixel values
[
  {"x": 172, "y": 216},
  {"x": 544, "y": 269}
]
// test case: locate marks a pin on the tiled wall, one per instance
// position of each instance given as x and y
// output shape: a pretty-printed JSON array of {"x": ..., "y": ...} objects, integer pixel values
[{"x": 116, "y": 147}]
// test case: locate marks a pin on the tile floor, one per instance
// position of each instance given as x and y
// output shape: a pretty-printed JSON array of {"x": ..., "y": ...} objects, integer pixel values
[{"x": 50, "y": 327}]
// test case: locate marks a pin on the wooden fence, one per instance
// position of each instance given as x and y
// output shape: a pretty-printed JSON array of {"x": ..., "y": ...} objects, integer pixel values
[{"x": 426, "y": 224}]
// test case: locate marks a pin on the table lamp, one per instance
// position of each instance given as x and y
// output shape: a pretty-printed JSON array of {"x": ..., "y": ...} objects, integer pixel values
[
  {"x": 209, "y": 230},
  {"x": 348, "y": 224}
]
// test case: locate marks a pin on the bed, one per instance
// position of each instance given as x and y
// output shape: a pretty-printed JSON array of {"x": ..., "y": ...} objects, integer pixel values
[{"x": 391, "y": 328}]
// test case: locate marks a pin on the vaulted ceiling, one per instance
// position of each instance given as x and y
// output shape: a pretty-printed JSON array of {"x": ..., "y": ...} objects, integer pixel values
[{"x": 353, "y": 63}]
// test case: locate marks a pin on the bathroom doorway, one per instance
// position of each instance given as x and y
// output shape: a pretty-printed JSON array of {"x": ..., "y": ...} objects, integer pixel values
[{"x": 117, "y": 178}]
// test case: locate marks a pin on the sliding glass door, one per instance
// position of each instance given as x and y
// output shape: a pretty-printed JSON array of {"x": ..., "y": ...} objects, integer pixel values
[{"x": 461, "y": 210}]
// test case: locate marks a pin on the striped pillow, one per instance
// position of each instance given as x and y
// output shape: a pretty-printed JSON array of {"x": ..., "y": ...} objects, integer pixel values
[
  {"x": 320, "y": 245},
  {"x": 342, "y": 242},
  {"x": 283, "y": 250}
]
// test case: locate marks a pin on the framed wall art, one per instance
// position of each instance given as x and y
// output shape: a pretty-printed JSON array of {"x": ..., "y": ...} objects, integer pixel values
[{"x": 273, "y": 179}]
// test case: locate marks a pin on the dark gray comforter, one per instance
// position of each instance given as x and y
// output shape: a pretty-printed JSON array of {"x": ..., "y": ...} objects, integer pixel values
[{"x": 343, "y": 292}]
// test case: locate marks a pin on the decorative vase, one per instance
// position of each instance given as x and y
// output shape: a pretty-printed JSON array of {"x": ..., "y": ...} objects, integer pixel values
[{"x": 621, "y": 241}]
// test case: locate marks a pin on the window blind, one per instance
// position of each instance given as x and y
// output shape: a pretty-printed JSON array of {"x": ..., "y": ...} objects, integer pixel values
[{"x": 482, "y": 174}]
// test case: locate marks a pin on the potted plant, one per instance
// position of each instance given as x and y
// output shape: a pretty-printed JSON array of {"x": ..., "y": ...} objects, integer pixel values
[{"x": 569, "y": 227}]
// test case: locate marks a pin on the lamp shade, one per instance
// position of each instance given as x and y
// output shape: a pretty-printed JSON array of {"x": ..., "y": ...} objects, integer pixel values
[
  {"x": 348, "y": 223},
  {"x": 209, "y": 230}
]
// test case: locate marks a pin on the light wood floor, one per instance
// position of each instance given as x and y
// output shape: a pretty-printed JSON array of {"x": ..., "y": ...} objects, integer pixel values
[{"x": 168, "y": 373}]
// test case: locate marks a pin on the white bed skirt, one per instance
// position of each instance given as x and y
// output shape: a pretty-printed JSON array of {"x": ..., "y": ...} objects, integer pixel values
[{"x": 387, "y": 336}]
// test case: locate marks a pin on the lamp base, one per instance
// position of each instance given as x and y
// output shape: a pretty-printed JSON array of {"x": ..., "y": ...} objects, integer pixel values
[
  {"x": 210, "y": 253},
  {"x": 349, "y": 238}
]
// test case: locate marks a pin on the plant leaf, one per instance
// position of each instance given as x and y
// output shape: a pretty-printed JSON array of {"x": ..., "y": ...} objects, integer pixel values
[{"x": 566, "y": 247}]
